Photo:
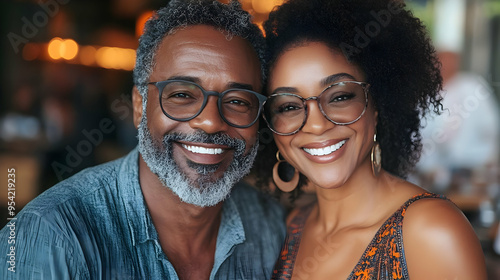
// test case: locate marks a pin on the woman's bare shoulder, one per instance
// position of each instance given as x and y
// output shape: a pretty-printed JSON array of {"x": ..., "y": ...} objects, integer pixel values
[{"x": 440, "y": 243}]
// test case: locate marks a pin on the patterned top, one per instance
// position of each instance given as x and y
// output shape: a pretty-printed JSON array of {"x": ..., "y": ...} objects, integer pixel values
[{"x": 384, "y": 258}]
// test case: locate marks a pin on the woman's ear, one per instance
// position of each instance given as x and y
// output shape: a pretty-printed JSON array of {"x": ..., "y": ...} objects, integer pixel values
[{"x": 137, "y": 106}]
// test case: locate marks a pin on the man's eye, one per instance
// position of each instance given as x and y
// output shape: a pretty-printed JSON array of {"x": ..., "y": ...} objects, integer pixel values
[
  {"x": 179, "y": 95},
  {"x": 238, "y": 102},
  {"x": 179, "y": 98}
]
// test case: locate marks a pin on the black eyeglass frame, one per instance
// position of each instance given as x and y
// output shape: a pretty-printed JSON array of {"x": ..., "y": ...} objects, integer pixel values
[
  {"x": 365, "y": 86},
  {"x": 206, "y": 93}
]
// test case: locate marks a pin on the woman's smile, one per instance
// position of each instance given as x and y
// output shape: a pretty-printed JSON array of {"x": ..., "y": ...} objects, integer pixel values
[{"x": 324, "y": 150}]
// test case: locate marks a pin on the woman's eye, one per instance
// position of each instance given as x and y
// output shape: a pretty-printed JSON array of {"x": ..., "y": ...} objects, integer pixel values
[
  {"x": 342, "y": 97},
  {"x": 287, "y": 108}
]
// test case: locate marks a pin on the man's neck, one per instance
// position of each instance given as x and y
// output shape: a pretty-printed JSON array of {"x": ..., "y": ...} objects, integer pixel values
[{"x": 187, "y": 233}]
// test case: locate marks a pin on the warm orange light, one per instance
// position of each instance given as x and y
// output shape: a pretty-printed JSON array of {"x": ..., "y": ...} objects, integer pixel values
[
  {"x": 69, "y": 49},
  {"x": 265, "y": 6},
  {"x": 141, "y": 22},
  {"x": 246, "y": 4},
  {"x": 127, "y": 62},
  {"x": 261, "y": 27},
  {"x": 115, "y": 58},
  {"x": 59, "y": 48},
  {"x": 54, "y": 48},
  {"x": 102, "y": 57}
]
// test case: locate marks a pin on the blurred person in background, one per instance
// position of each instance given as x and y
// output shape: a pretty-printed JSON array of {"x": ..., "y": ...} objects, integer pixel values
[
  {"x": 22, "y": 121},
  {"x": 461, "y": 145},
  {"x": 172, "y": 208}
]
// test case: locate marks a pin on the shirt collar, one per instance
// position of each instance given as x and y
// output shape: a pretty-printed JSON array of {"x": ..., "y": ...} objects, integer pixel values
[
  {"x": 130, "y": 194},
  {"x": 231, "y": 233}
]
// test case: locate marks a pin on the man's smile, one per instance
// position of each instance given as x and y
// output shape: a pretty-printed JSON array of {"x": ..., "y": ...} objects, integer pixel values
[
  {"x": 202, "y": 150},
  {"x": 205, "y": 153}
]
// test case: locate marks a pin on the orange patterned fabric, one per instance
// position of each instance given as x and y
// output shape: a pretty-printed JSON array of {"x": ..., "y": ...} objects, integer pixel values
[{"x": 384, "y": 258}]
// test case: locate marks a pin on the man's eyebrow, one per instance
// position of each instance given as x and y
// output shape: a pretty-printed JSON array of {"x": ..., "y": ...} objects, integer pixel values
[
  {"x": 240, "y": 86},
  {"x": 285, "y": 89},
  {"x": 198, "y": 81},
  {"x": 185, "y": 78},
  {"x": 336, "y": 78}
]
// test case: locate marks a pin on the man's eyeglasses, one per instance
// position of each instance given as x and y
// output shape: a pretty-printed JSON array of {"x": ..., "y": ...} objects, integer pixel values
[
  {"x": 341, "y": 103},
  {"x": 184, "y": 100}
]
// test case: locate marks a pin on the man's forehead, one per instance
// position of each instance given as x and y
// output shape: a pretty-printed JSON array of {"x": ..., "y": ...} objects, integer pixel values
[
  {"x": 200, "y": 30},
  {"x": 199, "y": 38},
  {"x": 195, "y": 48},
  {"x": 200, "y": 33}
]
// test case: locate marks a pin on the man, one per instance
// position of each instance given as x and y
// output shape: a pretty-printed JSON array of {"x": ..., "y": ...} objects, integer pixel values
[{"x": 168, "y": 210}]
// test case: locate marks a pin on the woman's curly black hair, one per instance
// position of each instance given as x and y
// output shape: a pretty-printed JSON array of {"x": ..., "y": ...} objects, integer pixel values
[{"x": 392, "y": 48}]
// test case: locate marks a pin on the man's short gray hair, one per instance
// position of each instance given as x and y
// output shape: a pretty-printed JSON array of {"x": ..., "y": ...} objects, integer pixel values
[{"x": 228, "y": 18}]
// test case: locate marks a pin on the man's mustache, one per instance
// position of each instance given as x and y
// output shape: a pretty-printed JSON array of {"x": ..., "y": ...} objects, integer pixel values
[{"x": 200, "y": 136}]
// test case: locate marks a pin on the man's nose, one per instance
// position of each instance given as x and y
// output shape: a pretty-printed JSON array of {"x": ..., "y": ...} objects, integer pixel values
[{"x": 209, "y": 120}]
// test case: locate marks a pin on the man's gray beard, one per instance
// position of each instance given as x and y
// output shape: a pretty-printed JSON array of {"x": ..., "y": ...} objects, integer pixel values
[{"x": 205, "y": 190}]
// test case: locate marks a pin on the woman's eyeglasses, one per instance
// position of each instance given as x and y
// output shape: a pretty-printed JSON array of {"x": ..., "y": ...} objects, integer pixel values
[{"x": 341, "y": 103}]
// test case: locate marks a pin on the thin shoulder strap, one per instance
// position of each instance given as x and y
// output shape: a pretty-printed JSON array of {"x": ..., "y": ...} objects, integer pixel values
[
  {"x": 418, "y": 197},
  {"x": 388, "y": 259}
]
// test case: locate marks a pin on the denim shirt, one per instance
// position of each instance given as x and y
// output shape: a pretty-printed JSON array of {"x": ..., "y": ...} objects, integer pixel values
[{"x": 96, "y": 225}]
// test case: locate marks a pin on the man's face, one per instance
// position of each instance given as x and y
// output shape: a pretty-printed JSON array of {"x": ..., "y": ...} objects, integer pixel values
[{"x": 201, "y": 159}]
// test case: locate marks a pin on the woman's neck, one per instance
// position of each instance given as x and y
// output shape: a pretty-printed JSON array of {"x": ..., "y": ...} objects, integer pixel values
[{"x": 355, "y": 203}]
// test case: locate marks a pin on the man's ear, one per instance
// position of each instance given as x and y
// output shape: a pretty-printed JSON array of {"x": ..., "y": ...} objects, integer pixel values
[{"x": 137, "y": 105}]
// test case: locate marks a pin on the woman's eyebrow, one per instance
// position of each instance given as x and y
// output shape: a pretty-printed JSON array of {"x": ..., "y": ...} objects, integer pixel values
[
  {"x": 324, "y": 82},
  {"x": 336, "y": 78}
]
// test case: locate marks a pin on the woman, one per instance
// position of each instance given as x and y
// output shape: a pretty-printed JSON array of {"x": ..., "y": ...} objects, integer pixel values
[{"x": 348, "y": 84}]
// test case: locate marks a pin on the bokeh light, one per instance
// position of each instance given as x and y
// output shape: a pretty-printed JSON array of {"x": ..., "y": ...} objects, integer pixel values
[
  {"x": 69, "y": 49},
  {"x": 115, "y": 58},
  {"x": 265, "y": 6},
  {"x": 54, "y": 48},
  {"x": 141, "y": 22},
  {"x": 65, "y": 49}
]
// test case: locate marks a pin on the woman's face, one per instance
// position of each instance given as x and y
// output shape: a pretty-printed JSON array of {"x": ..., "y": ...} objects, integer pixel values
[{"x": 328, "y": 154}]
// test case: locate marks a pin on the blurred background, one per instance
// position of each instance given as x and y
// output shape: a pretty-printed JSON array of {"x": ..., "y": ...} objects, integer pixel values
[{"x": 65, "y": 83}]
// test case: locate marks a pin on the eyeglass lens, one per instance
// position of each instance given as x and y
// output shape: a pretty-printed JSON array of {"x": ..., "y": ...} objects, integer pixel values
[
  {"x": 341, "y": 103},
  {"x": 183, "y": 100}
]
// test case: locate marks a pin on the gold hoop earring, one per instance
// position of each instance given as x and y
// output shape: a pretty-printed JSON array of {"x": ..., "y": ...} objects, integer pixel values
[
  {"x": 376, "y": 157},
  {"x": 285, "y": 186}
]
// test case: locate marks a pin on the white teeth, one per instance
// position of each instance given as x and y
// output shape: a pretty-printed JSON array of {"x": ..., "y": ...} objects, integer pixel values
[
  {"x": 325, "y": 150},
  {"x": 202, "y": 150}
]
